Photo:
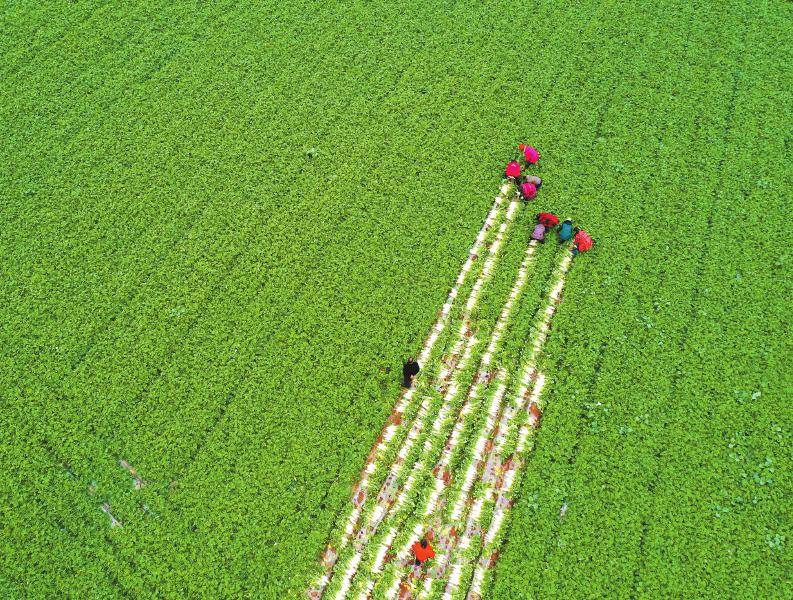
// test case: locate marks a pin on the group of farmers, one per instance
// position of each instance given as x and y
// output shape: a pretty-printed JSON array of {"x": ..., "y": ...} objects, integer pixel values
[
  {"x": 582, "y": 241},
  {"x": 545, "y": 222}
]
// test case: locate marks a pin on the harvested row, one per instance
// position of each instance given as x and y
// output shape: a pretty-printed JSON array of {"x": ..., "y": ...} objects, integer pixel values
[
  {"x": 374, "y": 466},
  {"x": 443, "y": 364},
  {"x": 441, "y": 516},
  {"x": 437, "y": 404},
  {"x": 426, "y": 490},
  {"x": 416, "y": 499},
  {"x": 440, "y": 472},
  {"x": 491, "y": 496}
]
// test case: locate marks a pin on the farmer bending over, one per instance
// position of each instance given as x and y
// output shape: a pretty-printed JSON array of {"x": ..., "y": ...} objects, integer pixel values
[
  {"x": 539, "y": 233},
  {"x": 423, "y": 551},
  {"x": 512, "y": 171},
  {"x": 409, "y": 371},
  {"x": 530, "y": 154},
  {"x": 566, "y": 231},
  {"x": 582, "y": 241},
  {"x": 528, "y": 189},
  {"x": 550, "y": 220}
]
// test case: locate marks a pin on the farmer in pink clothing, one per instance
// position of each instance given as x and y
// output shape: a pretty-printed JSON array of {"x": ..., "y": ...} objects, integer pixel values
[
  {"x": 530, "y": 154},
  {"x": 528, "y": 191},
  {"x": 512, "y": 171}
]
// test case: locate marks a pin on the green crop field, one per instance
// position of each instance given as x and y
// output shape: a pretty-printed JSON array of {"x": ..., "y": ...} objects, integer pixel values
[{"x": 223, "y": 227}]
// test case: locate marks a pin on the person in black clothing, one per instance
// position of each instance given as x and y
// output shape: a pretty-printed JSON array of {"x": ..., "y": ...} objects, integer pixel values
[{"x": 409, "y": 371}]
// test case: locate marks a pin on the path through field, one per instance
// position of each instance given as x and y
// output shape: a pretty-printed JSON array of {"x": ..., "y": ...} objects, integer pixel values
[{"x": 446, "y": 461}]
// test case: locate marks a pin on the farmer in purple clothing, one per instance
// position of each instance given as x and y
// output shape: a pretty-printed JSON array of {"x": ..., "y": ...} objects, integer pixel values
[{"x": 539, "y": 233}]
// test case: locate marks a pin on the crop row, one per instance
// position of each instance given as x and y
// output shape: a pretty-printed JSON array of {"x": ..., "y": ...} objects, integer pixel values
[
  {"x": 441, "y": 472},
  {"x": 485, "y": 456},
  {"x": 404, "y": 505},
  {"x": 445, "y": 365},
  {"x": 442, "y": 399},
  {"x": 440, "y": 425},
  {"x": 453, "y": 374}
]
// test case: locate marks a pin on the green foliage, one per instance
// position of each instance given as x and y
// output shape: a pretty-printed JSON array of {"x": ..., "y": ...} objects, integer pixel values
[{"x": 225, "y": 226}]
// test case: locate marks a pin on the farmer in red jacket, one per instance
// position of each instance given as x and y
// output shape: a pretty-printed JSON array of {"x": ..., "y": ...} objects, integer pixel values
[
  {"x": 550, "y": 220},
  {"x": 582, "y": 241},
  {"x": 423, "y": 551}
]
